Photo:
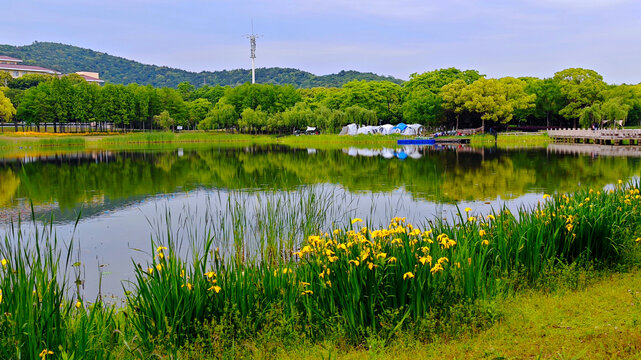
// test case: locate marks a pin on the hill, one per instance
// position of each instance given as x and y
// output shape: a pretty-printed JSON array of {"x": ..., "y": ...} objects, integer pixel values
[{"x": 68, "y": 59}]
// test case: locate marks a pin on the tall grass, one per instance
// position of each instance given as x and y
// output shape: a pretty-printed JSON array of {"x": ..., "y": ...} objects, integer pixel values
[
  {"x": 41, "y": 312},
  {"x": 303, "y": 278},
  {"x": 368, "y": 280}
]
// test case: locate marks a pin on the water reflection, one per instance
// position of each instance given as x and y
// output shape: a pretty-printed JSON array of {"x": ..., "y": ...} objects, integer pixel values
[
  {"x": 122, "y": 194},
  {"x": 103, "y": 180}
]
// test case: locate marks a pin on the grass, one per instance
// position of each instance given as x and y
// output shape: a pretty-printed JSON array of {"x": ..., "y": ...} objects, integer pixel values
[
  {"x": 325, "y": 141},
  {"x": 352, "y": 286}
]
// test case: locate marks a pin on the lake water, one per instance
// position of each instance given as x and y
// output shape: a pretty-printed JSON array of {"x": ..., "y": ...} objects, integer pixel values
[{"x": 122, "y": 199}]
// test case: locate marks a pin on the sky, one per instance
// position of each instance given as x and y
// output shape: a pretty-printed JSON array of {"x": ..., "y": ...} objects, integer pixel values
[{"x": 398, "y": 37}]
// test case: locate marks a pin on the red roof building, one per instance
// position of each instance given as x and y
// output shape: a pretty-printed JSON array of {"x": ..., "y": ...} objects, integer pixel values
[{"x": 15, "y": 69}]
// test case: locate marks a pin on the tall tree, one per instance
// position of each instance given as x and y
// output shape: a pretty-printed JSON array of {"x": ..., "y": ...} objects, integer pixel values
[{"x": 580, "y": 88}]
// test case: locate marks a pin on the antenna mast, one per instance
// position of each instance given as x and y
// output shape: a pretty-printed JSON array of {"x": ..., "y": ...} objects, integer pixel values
[{"x": 252, "y": 42}]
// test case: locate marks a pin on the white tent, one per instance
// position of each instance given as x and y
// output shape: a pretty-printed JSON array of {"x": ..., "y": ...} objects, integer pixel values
[
  {"x": 386, "y": 129},
  {"x": 413, "y": 129},
  {"x": 365, "y": 130},
  {"x": 351, "y": 129},
  {"x": 352, "y": 151}
]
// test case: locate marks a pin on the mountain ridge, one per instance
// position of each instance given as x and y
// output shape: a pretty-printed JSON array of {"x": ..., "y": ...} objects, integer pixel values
[{"x": 69, "y": 58}]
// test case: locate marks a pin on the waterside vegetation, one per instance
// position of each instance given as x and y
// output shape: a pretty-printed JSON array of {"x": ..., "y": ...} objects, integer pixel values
[
  {"x": 354, "y": 285},
  {"x": 440, "y": 99}
]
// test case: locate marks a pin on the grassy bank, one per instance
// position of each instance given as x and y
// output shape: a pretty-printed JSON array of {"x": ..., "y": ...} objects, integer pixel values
[
  {"x": 356, "y": 286},
  {"x": 316, "y": 141}
]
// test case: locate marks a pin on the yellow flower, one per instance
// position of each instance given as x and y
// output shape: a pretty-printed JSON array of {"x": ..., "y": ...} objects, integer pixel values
[
  {"x": 43, "y": 354},
  {"x": 620, "y": 181},
  {"x": 210, "y": 274},
  {"x": 78, "y": 304},
  {"x": 307, "y": 292},
  {"x": 355, "y": 262},
  {"x": 381, "y": 256},
  {"x": 408, "y": 275},
  {"x": 0, "y": 296},
  {"x": 467, "y": 209},
  {"x": 161, "y": 255},
  {"x": 356, "y": 220},
  {"x": 436, "y": 268},
  {"x": 425, "y": 259},
  {"x": 189, "y": 286},
  {"x": 332, "y": 258},
  {"x": 442, "y": 260},
  {"x": 545, "y": 196},
  {"x": 490, "y": 217},
  {"x": 569, "y": 227},
  {"x": 471, "y": 219},
  {"x": 341, "y": 246},
  {"x": 302, "y": 283},
  {"x": 182, "y": 273},
  {"x": 287, "y": 271},
  {"x": 337, "y": 231},
  {"x": 370, "y": 265},
  {"x": 160, "y": 248},
  {"x": 216, "y": 289},
  {"x": 481, "y": 232},
  {"x": 150, "y": 270},
  {"x": 391, "y": 260},
  {"x": 159, "y": 267},
  {"x": 4, "y": 263},
  {"x": 638, "y": 239},
  {"x": 485, "y": 242}
]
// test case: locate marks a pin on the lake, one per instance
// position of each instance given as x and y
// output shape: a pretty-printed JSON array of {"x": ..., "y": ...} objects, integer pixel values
[{"x": 122, "y": 199}]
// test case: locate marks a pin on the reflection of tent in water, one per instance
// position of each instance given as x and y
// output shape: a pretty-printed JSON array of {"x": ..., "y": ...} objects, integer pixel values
[
  {"x": 351, "y": 129},
  {"x": 368, "y": 152},
  {"x": 387, "y": 153},
  {"x": 412, "y": 151},
  {"x": 352, "y": 151},
  {"x": 401, "y": 155}
]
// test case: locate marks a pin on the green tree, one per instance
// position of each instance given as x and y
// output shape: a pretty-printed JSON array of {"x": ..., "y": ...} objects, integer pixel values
[
  {"x": 198, "y": 110},
  {"x": 186, "y": 89},
  {"x": 7, "y": 111},
  {"x": 580, "y": 88},
  {"x": 220, "y": 116},
  {"x": 164, "y": 120},
  {"x": 454, "y": 99}
]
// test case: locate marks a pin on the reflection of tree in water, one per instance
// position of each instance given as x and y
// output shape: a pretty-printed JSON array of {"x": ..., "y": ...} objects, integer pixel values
[
  {"x": 446, "y": 176},
  {"x": 493, "y": 178},
  {"x": 9, "y": 184}
]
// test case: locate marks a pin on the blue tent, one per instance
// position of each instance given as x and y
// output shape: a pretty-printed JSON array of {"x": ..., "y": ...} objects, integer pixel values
[{"x": 400, "y": 126}]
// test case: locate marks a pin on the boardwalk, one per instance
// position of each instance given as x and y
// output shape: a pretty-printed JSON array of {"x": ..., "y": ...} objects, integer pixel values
[{"x": 603, "y": 137}]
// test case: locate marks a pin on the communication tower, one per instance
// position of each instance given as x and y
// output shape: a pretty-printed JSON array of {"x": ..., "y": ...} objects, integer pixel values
[{"x": 252, "y": 41}]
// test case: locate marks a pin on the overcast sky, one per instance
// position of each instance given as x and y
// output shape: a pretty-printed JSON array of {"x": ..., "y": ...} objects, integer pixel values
[{"x": 397, "y": 37}]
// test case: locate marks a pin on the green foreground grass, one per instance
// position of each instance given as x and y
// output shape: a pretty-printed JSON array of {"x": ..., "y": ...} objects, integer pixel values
[
  {"x": 499, "y": 285},
  {"x": 597, "y": 318}
]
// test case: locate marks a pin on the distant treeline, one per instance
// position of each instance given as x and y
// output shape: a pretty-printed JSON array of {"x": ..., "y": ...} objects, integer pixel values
[
  {"x": 446, "y": 98},
  {"x": 69, "y": 59}
]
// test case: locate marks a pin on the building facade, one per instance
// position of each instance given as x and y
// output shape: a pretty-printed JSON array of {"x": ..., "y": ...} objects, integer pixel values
[{"x": 14, "y": 67}]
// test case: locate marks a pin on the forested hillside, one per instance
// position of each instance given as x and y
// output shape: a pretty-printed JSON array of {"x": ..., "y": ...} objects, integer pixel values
[{"x": 68, "y": 59}]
